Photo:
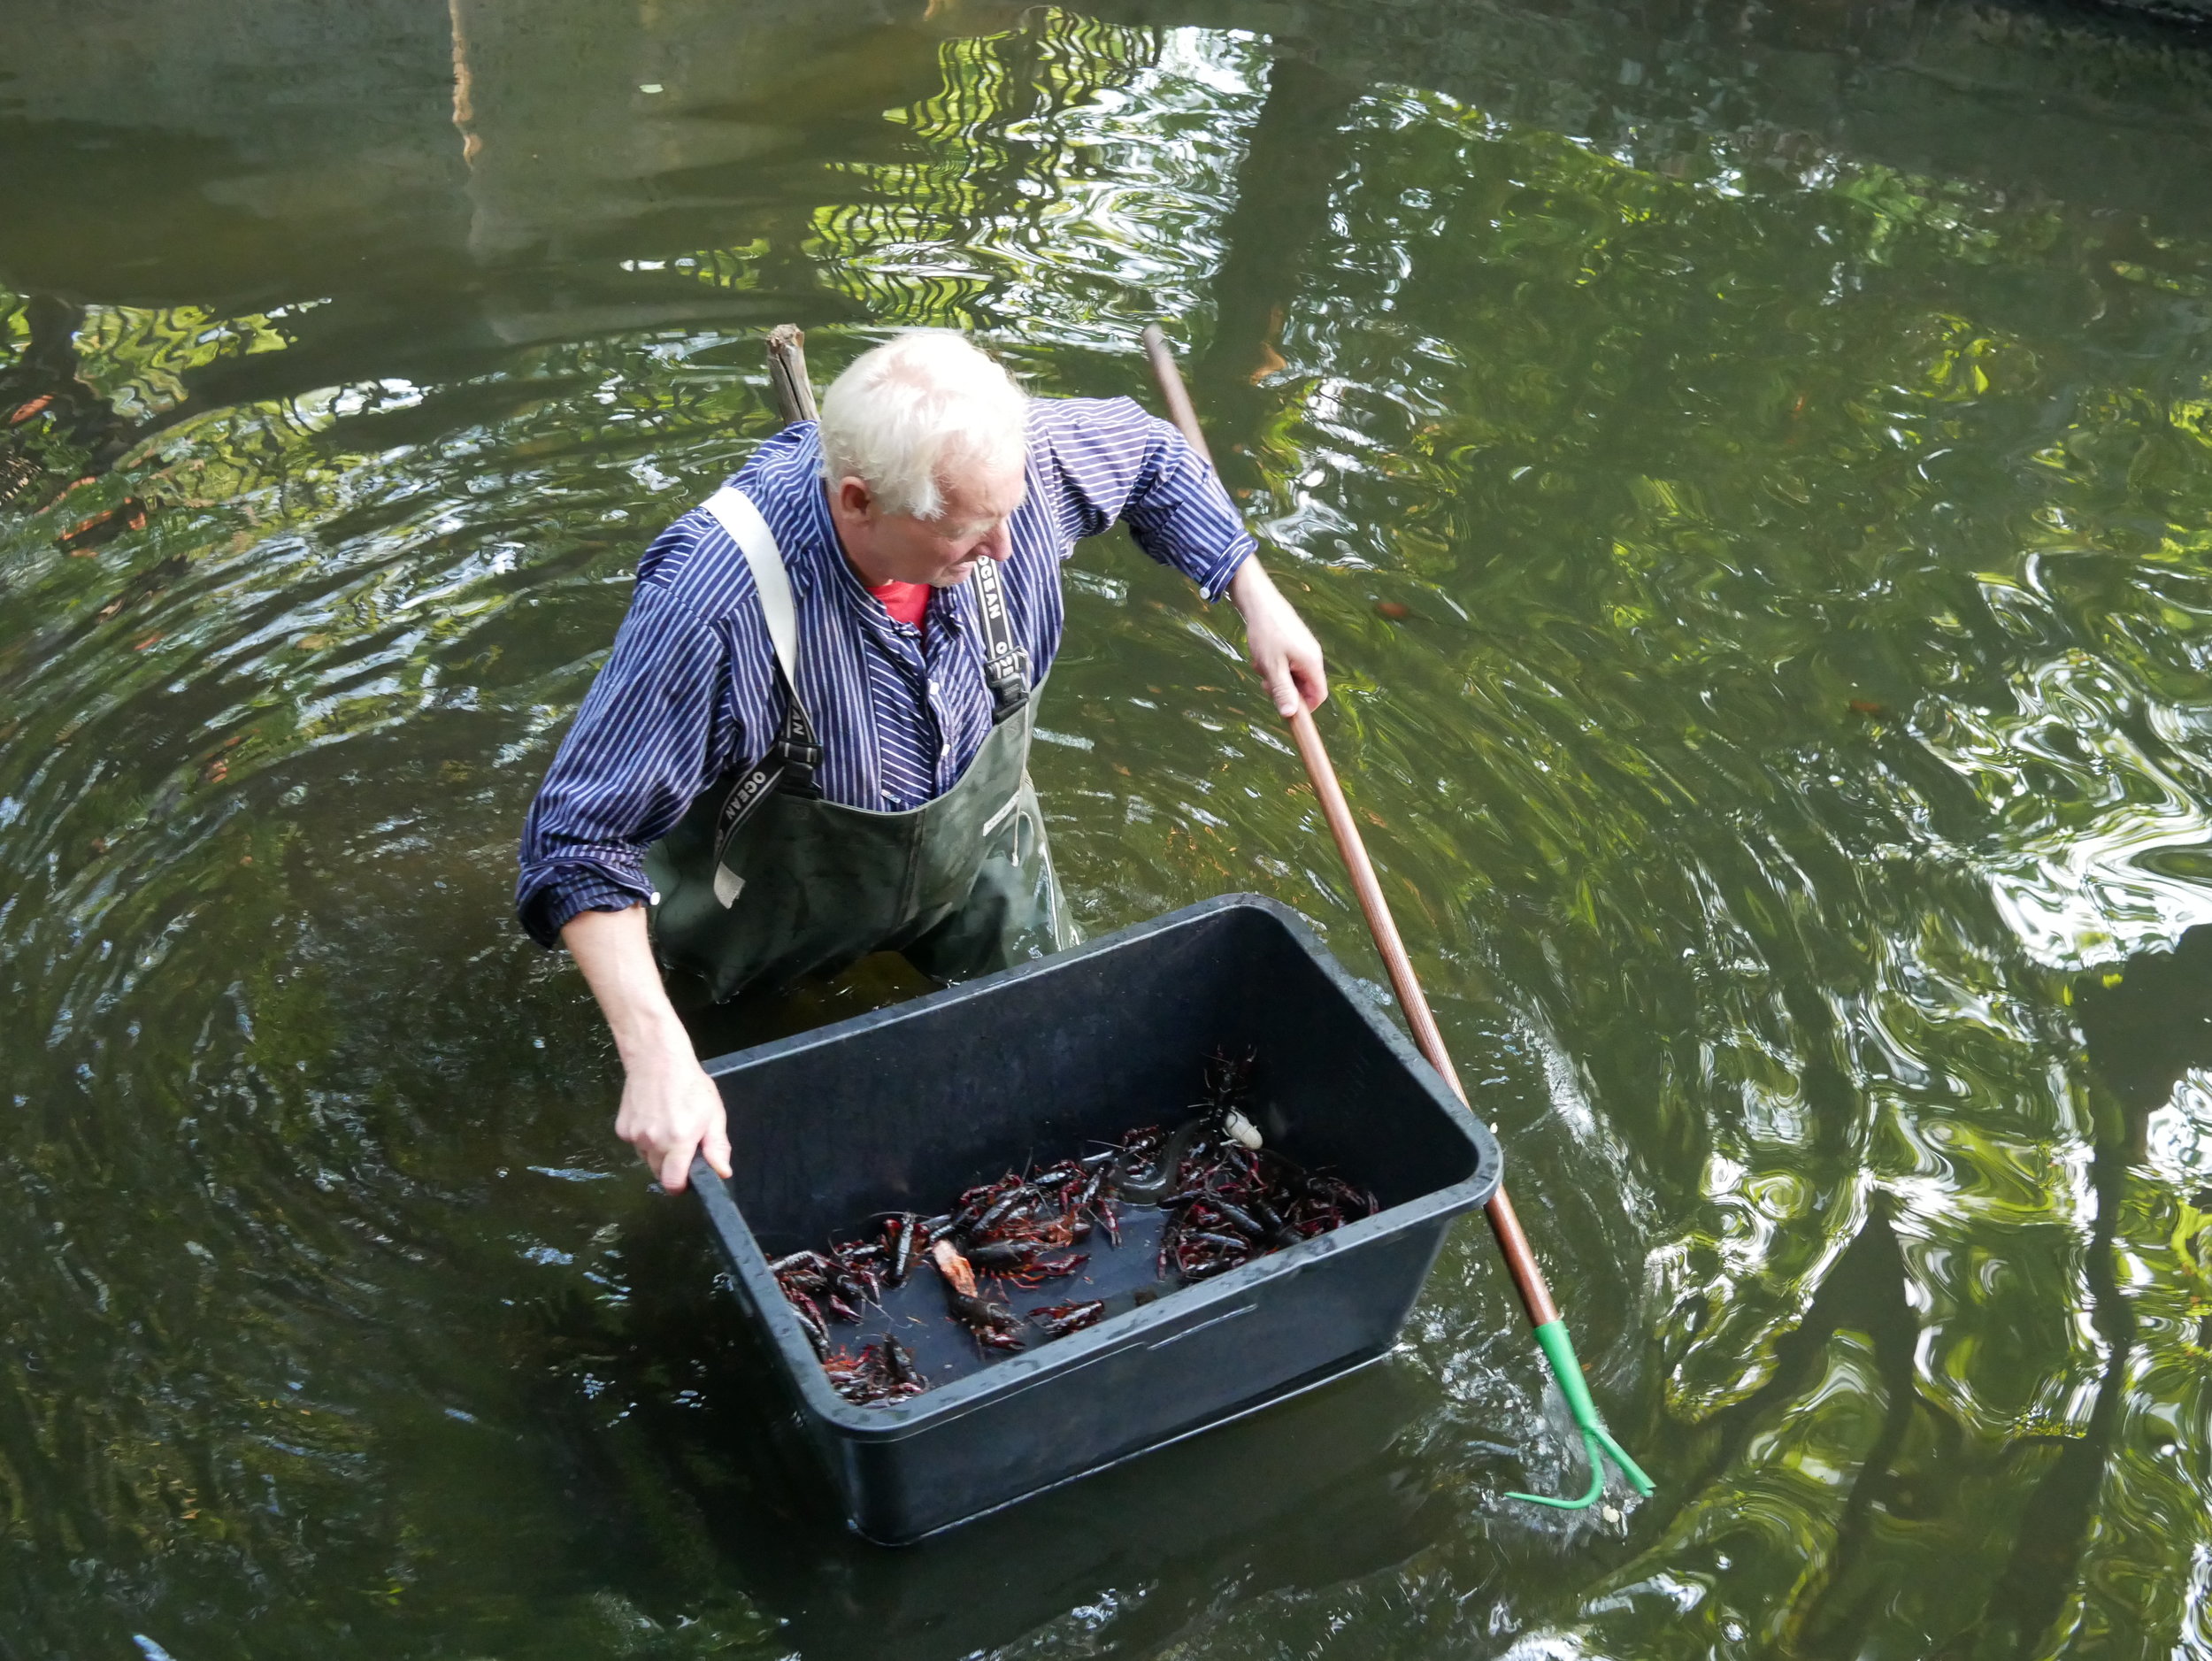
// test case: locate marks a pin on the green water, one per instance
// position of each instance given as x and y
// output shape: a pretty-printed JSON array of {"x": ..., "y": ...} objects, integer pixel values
[{"x": 1753, "y": 475}]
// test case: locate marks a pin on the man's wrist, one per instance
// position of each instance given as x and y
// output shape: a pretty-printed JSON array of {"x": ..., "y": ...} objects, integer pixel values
[
  {"x": 654, "y": 1038},
  {"x": 1250, "y": 585}
]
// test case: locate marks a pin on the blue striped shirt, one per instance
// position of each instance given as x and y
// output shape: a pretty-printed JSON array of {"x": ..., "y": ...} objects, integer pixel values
[{"x": 690, "y": 691}]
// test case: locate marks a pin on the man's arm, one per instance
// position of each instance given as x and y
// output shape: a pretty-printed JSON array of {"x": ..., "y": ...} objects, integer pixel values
[
  {"x": 1282, "y": 648},
  {"x": 647, "y": 740},
  {"x": 670, "y": 1110},
  {"x": 653, "y": 730},
  {"x": 1114, "y": 461}
]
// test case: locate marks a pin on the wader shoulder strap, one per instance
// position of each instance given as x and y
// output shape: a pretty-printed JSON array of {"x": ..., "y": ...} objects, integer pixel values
[
  {"x": 737, "y": 515},
  {"x": 1005, "y": 665},
  {"x": 791, "y": 760}
]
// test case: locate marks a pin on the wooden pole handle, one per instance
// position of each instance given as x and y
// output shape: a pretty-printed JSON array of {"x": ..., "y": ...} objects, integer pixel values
[
  {"x": 787, "y": 375},
  {"x": 1427, "y": 1036},
  {"x": 1173, "y": 393},
  {"x": 1528, "y": 1278}
]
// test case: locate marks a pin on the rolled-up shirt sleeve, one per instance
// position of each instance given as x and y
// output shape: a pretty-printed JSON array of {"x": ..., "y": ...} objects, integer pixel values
[
  {"x": 1118, "y": 463},
  {"x": 655, "y": 730}
]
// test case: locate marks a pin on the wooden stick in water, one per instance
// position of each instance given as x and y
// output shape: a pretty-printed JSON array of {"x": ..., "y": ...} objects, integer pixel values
[
  {"x": 786, "y": 373},
  {"x": 1528, "y": 1278}
]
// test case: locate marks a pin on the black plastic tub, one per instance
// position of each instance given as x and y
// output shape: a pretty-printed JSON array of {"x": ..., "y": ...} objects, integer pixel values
[{"x": 901, "y": 1109}]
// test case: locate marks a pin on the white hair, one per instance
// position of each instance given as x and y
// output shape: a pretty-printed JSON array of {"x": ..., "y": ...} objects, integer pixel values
[{"x": 906, "y": 412}]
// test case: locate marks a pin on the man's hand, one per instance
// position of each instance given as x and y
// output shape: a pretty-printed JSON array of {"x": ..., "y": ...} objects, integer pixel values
[
  {"x": 670, "y": 1110},
  {"x": 1282, "y": 648}
]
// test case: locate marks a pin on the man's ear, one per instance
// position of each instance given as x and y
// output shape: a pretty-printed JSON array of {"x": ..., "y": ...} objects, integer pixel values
[{"x": 854, "y": 497}]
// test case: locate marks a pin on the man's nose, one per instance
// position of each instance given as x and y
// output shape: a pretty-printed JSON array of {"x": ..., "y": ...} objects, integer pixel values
[{"x": 999, "y": 544}]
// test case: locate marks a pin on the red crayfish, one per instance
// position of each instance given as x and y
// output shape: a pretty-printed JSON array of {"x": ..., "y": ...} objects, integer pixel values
[
  {"x": 1228, "y": 1201},
  {"x": 882, "y": 1371}
]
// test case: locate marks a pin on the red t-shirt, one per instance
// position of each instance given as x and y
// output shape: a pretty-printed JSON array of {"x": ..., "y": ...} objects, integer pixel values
[{"x": 909, "y": 602}]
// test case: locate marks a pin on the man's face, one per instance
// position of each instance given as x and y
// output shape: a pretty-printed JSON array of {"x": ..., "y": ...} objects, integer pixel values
[{"x": 899, "y": 548}]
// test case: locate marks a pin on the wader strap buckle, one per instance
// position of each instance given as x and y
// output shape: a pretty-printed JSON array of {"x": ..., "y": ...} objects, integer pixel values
[
  {"x": 789, "y": 766},
  {"x": 1005, "y": 665},
  {"x": 798, "y": 754}
]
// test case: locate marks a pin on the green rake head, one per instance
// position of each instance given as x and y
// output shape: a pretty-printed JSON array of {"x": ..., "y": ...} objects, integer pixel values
[{"x": 1596, "y": 1439}]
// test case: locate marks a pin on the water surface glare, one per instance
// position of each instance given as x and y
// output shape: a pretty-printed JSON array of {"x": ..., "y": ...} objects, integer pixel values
[{"x": 1751, "y": 471}]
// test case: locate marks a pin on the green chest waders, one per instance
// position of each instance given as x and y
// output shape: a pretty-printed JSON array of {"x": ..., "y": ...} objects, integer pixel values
[{"x": 762, "y": 882}]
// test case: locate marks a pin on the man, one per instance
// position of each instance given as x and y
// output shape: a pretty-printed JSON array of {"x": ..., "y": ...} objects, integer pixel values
[{"x": 810, "y": 740}]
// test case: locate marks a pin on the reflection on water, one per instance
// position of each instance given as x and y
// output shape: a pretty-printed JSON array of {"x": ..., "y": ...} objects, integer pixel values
[{"x": 1763, "y": 541}]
